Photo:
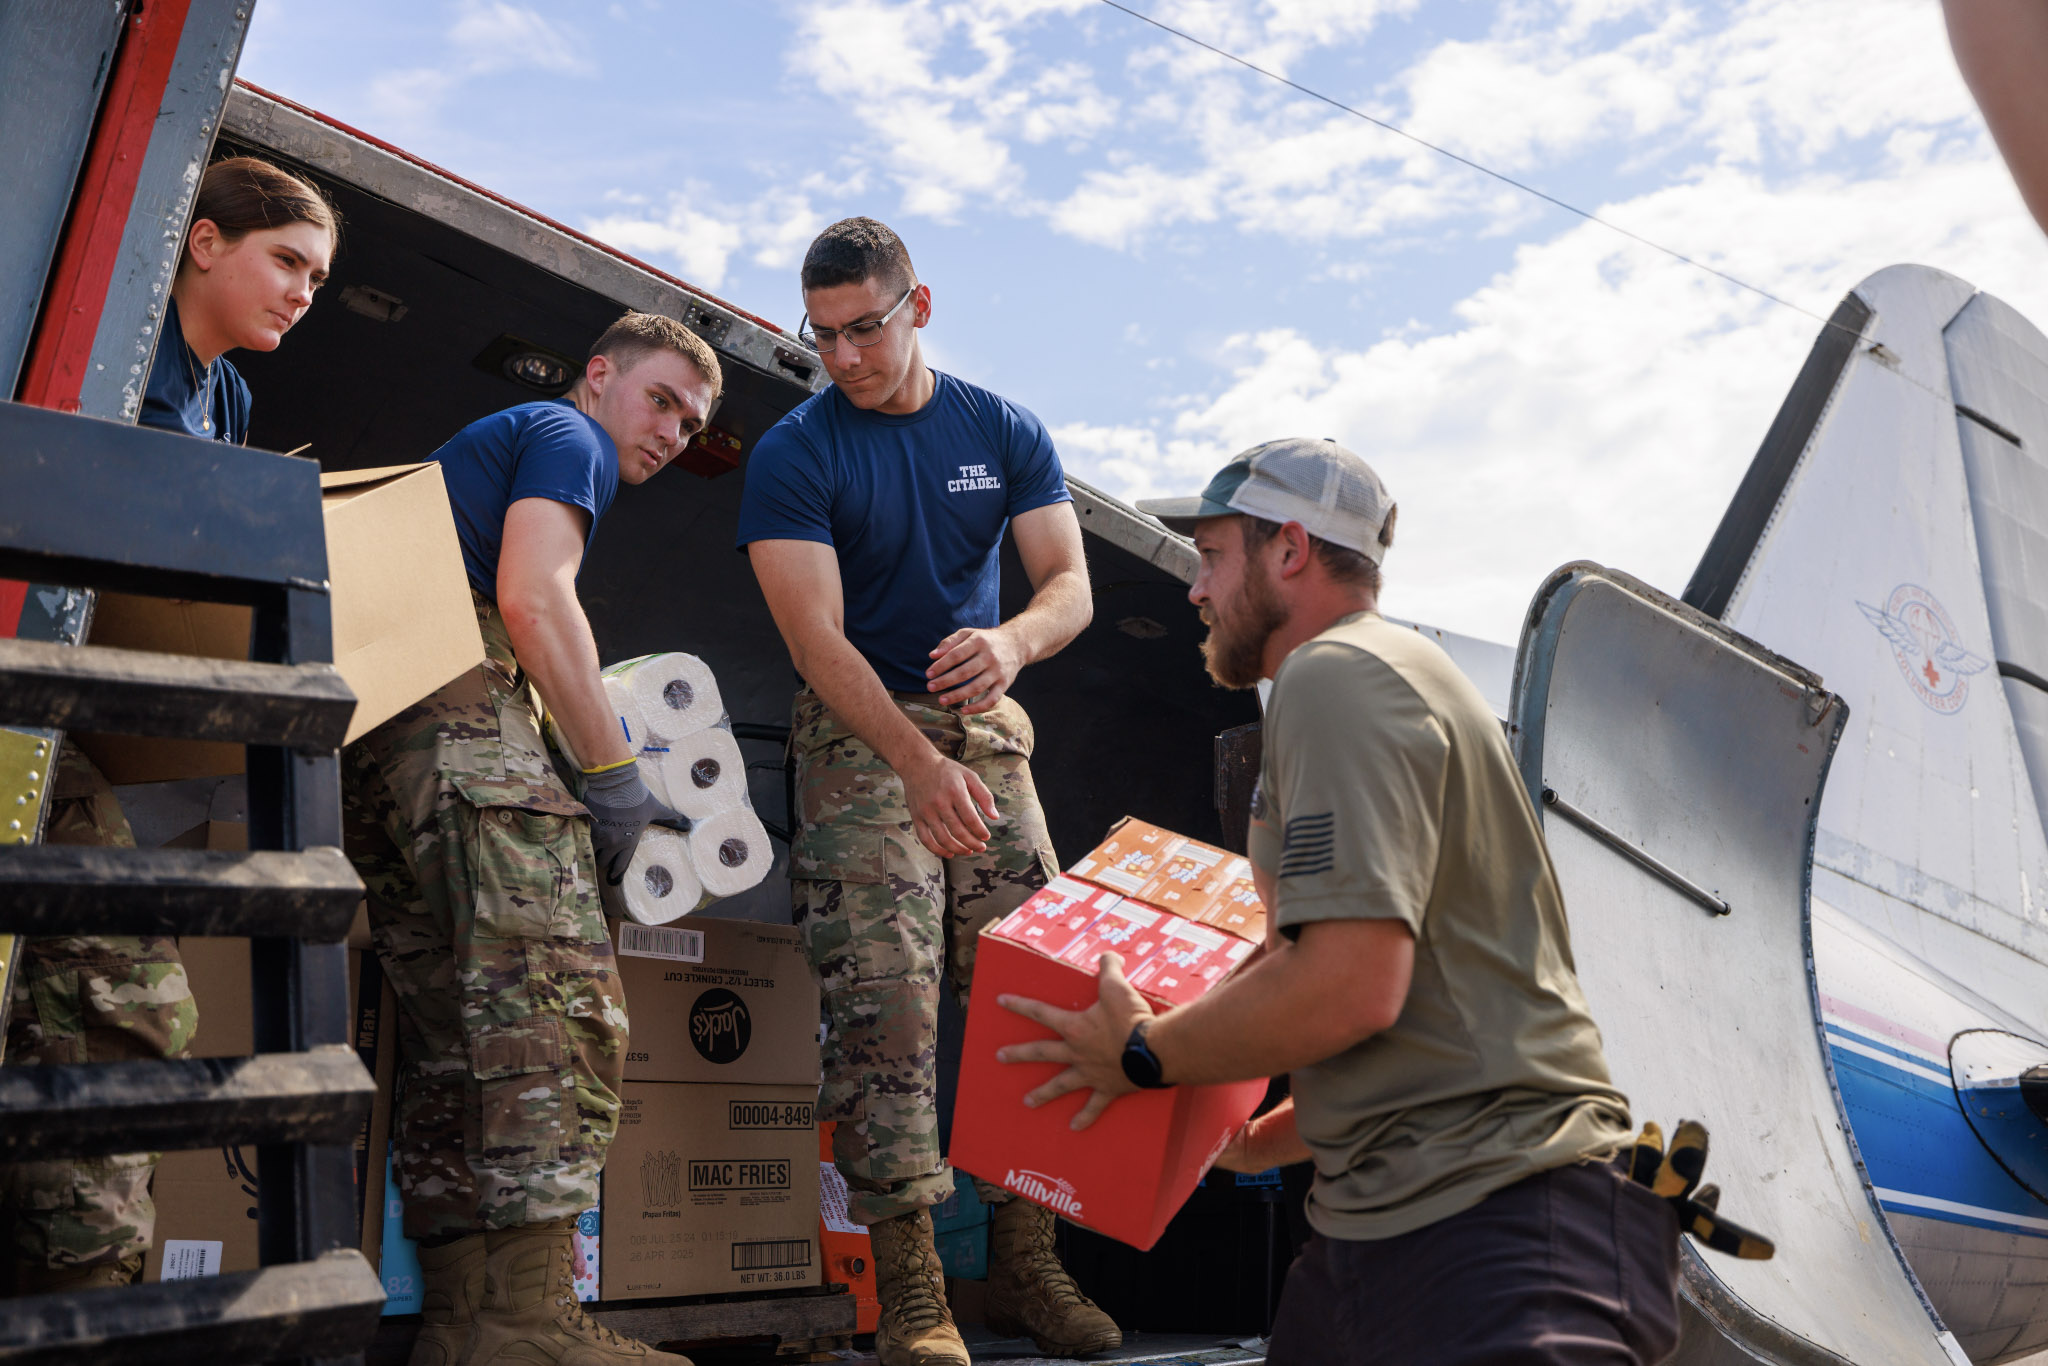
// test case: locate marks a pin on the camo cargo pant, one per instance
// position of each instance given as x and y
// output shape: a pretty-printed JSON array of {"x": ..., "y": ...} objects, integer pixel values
[
  {"x": 91, "y": 998},
  {"x": 484, "y": 909},
  {"x": 884, "y": 919}
]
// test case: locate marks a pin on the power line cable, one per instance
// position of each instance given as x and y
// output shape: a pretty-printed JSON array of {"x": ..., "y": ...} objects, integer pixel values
[{"x": 1466, "y": 161}]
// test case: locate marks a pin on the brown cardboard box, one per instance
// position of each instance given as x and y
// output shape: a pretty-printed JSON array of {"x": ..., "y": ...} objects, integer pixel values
[
  {"x": 709, "y": 1190},
  {"x": 211, "y": 630},
  {"x": 1194, "y": 880},
  {"x": 206, "y": 1200},
  {"x": 205, "y": 1214},
  {"x": 719, "y": 1001},
  {"x": 404, "y": 623}
]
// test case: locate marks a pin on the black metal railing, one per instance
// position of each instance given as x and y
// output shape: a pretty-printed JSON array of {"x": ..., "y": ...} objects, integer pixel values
[{"x": 104, "y": 505}]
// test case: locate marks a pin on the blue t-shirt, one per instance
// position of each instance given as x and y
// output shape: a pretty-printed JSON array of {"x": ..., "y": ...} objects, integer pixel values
[
  {"x": 547, "y": 449},
  {"x": 182, "y": 396},
  {"x": 914, "y": 505}
]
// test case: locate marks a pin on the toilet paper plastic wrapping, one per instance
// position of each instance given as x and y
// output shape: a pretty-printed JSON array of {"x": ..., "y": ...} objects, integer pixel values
[
  {"x": 730, "y": 851},
  {"x": 701, "y": 774},
  {"x": 669, "y": 695},
  {"x": 661, "y": 882},
  {"x": 630, "y": 724}
]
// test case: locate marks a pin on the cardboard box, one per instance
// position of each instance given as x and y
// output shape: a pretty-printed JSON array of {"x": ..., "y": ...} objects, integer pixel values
[
  {"x": 404, "y": 623},
  {"x": 1189, "y": 959},
  {"x": 726, "y": 1001},
  {"x": 1236, "y": 906},
  {"x": 1056, "y": 914},
  {"x": 1129, "y": 1173},
  {"x": 206, "y": 1200},
  {"x": 844, "y": 1246},
  {"x": 210, "y": 630},
  {"x": 1127, "y": 927},
  {"x": 710, "y": 1189},
  {"x": 1194, "y": 880},
  {"x": 205, "y": 1214}
]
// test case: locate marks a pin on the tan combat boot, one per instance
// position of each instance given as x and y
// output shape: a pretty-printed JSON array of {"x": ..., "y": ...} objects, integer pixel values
[
  {"x": 916, "y": 1327},
  {"x": 36, "y": 1279},
  {"x": 529, "y": 1314},
  {"x": 1030, "y": 1293},
  {"x": 452, "y": 1290}
]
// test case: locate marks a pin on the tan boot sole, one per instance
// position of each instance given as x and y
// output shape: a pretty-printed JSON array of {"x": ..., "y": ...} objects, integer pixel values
[{"x": 899, "y": 1354}]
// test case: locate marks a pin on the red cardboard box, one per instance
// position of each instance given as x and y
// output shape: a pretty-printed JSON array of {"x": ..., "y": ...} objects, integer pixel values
[
  {"x": 1125, "y": 1176},
  {"x": 1124, "y": 926},
  {"x": 1183, "y": 915},
  {"x": 1190, "y": 959},
  {"x": 1055, "y": 914}
]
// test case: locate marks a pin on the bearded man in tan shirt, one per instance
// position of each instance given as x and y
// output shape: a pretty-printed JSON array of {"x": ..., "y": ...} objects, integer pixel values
[{"x": 1447, "y": 1078}]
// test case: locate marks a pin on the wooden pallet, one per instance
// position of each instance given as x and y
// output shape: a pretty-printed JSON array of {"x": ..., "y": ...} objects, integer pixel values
[{"x": 803, "y": 1326}]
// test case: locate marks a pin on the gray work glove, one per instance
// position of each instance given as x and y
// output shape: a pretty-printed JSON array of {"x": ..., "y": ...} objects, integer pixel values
[{"x": 621, "y": 809}]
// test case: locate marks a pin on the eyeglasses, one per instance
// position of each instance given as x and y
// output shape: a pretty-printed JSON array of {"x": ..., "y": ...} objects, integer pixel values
[{"x": 860, "y": 334}]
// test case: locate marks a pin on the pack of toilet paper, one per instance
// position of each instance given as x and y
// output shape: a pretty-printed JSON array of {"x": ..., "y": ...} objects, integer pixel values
[{"x": 671, "y": 714}]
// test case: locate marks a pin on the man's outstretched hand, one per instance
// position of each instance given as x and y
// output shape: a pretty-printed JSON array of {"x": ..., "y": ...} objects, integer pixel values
[
  {"x": 975, "y": 665},
  {"x": 1091, "y": 1042}
]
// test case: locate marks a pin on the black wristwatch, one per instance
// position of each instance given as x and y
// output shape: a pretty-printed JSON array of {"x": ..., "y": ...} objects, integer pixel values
[{"x": 1141, "y": 1065}]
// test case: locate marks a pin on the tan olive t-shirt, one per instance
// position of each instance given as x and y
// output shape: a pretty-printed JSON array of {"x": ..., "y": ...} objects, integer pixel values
[{"x": 1388, "y": 792}]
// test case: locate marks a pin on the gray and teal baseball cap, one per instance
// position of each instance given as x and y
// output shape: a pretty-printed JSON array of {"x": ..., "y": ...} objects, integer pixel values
[{"x": 1331, "y": 492}]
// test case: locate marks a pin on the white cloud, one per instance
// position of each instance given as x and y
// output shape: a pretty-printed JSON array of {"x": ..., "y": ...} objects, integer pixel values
[
  {"x": 495, "y": 35},
  {"x": 1161, "y": 134},
  {"x": 701, "y": 243},
  {"x": 485, "y": 37},
  {"x": 1596, "y": 399}
]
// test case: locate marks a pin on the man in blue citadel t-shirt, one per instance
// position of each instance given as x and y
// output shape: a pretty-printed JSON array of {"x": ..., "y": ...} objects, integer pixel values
[
  {"x": 487, "y": 879},
  {"x": 874, "y": 516}
]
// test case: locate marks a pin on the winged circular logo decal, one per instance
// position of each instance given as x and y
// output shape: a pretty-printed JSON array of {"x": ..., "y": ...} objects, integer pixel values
[{"x": 1924, "y": 643}]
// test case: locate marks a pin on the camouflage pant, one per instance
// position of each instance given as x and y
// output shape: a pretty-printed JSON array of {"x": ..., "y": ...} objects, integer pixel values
[
  {"x": 91, "y": 998},
  {"x": 484, "y": 909},
  {"x": 884, "y": 918}
]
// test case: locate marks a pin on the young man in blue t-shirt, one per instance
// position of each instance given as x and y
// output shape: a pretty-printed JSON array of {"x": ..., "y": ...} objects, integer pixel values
[
  {"x": 874, "y": 517},
  {"x": 488, "y": 880}
]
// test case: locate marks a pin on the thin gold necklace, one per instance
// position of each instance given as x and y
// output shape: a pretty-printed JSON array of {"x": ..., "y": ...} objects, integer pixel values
[{"x": 206, "y": 390}]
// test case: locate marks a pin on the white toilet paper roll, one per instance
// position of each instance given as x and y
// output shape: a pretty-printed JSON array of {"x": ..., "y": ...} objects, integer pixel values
[
  {"x": 730, "y": 851},
  {"x": 704, "y": 774},
  {"x": 674, "y": 694},
  {"x": 627, "y": 707},
  {"x": 661, "y": 882}
]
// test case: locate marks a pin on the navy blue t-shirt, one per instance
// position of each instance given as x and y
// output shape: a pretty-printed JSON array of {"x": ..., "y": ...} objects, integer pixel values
[
  {"x": 547, "y": 449},
  {"x": 182, "y": 397},
  {"x": 914, "y": 505}
]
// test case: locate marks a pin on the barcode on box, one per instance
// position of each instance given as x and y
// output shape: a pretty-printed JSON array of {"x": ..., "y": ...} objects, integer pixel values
[
  {"x": 761, "y": 1256},
  {"x": 661, "y": 941},
  {"x": 187, "y": 1259}
]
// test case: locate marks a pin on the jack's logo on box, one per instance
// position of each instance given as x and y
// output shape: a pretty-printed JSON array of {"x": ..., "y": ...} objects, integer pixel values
[
  {"x": 1052, "y": 1192},
  {"x": 720, "y": 1026}
]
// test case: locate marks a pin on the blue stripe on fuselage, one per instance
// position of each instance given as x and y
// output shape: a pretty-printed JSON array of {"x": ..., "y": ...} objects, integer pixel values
[{"x": 1915, "y": 1140}]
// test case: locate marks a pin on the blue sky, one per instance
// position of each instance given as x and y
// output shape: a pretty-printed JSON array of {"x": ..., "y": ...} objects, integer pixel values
[{"x": 1169, "y": 259}]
